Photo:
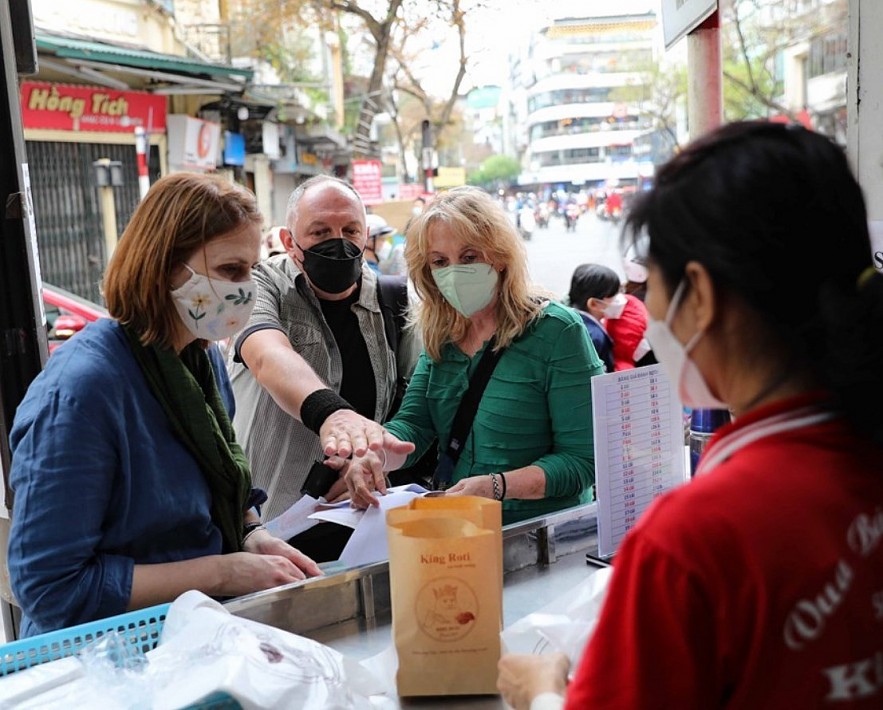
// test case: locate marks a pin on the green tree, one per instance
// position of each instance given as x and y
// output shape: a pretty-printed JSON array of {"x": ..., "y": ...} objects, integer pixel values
[
  {"x": 495, "y": 170},
  {"x": 754, "y": 34},
  {"x": 379, "y": 32},
  {"x": 657, "y": 94}
]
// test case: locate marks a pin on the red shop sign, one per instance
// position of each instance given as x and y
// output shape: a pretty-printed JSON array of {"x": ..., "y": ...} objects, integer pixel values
[
  {"x": 367, "y": 180},
  {"x": 64, "y": 107}
]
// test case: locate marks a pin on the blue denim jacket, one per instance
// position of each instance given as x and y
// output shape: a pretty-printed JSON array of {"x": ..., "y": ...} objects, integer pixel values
[{"x": 101, "y": 484}]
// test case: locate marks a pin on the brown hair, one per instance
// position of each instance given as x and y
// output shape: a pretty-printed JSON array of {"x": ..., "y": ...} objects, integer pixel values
[
  {"x": 480, "y": 222},
  {"x": 180, "y": 213}
]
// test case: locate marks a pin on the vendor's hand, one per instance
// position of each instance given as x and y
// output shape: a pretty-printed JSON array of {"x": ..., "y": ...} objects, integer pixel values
[
  {"x": 364, "y": 475},
  {"x": 346, "y": 432},
  {"x": 247, "y": 572},
  {"x": 482, "y": 486},
  {"x": 521, "y": 678},
  {"x": 262, "y": 542}
]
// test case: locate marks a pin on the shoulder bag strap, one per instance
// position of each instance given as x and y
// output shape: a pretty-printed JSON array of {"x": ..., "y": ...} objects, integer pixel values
[{"x": 466, "y": 415}]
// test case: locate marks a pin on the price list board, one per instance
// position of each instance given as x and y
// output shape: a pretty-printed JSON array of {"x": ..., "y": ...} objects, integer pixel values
[{"x": 639, "y": 447}]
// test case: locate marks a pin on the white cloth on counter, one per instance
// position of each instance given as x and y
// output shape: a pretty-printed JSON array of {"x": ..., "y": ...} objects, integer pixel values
[
  {"x": 547, "y": 701},
  {"x": 203, "y": 650}
]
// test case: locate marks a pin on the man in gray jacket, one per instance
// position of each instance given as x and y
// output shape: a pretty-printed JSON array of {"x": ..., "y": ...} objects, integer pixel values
[{"x": 313, "y": 371}]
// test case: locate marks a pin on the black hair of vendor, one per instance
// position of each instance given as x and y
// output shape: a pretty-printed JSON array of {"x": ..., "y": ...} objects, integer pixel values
[{"x": 774, "y": 214}]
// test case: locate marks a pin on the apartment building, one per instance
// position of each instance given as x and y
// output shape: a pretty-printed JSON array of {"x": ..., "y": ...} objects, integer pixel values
[{"x": 578, "y": 91}]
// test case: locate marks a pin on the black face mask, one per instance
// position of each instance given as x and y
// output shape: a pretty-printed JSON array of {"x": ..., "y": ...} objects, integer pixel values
[{"x": 333, "y": 265}]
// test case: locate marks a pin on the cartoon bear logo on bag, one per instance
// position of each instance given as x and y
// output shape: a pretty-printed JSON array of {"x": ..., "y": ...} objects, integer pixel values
[{"x": 447, "y": 609}]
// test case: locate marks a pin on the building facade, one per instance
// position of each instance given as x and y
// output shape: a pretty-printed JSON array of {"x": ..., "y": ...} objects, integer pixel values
[
  {"x": 576, "y": 102},
  {"x": 815, "y": 66},
  {"x": 110, "y": 67},
  {"x": 107, "y": 68}
]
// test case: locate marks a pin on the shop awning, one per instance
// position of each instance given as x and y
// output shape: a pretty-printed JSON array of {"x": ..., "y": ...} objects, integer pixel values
[{"x": 93, "y": 61}]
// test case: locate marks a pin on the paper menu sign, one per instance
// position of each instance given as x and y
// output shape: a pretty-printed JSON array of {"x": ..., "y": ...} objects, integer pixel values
[{"x": 639, "y": 447}]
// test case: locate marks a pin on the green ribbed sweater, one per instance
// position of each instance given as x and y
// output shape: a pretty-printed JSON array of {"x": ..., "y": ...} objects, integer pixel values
[{"x": 537, "y": 409}]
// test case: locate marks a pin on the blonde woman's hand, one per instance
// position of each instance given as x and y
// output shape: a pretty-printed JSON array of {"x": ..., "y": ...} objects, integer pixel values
[
  {"x": 481, "y": 485},
  {"x": 364, "y": 475}
]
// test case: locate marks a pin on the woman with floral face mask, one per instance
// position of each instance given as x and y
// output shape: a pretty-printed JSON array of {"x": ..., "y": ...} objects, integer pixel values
[
  {"x": 530, "y": 443},
  {"x": 758, "y": 584},
  {"x": 150, "y": 495}
]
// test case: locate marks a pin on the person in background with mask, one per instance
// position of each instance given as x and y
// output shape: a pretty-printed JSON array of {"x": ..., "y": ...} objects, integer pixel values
[
  {"x": 608, "y": 312},
  {"x": 635, "y": 274},
  {"x": 312, "y": 370},
  {"x": 130, "y": 488},
  {"x": 594, "y": 290},
  {"x": 530, "y": 444},
  {"x": 378, "y": 246},
  {"x": 758, "y": 584},
  {"x": 626, "y": 319},
  {"x": 390, "y": 251},
  {"x": 271, "y": 244}
]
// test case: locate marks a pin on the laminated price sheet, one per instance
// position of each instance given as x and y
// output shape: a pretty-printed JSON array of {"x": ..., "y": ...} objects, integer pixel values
[{"x": 639, "y": 447}]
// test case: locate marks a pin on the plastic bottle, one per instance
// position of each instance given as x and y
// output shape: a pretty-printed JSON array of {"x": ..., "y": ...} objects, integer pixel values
[{"x": 703, "y": 423}]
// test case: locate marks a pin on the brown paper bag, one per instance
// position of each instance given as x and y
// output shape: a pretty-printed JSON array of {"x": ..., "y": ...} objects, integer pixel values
[{"x": 446, "y": 582}]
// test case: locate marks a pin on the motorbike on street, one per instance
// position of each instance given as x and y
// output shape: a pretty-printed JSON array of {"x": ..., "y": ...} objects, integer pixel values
[{"x": 527, "y": 223}]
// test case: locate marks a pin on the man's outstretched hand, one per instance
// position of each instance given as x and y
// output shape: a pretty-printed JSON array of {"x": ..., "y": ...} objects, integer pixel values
[{"x": 346, "y": 433}]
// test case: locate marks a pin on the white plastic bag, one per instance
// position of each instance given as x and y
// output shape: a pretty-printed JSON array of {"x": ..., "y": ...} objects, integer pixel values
[
  {"x": 204, "y": 650},
  {"x": 564, "y": 625}
]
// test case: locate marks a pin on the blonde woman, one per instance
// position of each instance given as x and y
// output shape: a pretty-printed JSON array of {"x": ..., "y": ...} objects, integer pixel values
[{"x": 530, "y": 444}]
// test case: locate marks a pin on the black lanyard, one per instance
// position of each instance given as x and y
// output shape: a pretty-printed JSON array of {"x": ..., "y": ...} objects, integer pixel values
[{"x": 444, "y": 472}]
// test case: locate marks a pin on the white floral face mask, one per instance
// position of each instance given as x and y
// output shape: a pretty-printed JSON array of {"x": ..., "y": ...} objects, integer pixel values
[{"x": 213, "y": 309}]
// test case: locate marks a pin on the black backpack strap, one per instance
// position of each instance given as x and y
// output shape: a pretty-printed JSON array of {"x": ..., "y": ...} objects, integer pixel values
[{"x": 392, "y": 295}]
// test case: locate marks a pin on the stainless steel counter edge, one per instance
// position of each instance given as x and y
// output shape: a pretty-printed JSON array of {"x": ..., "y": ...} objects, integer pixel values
[{"x": 363, "y": 592}]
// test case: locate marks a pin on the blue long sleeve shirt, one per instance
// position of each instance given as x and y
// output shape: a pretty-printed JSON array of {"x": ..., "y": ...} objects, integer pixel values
[{"x": 101, "y": 484}]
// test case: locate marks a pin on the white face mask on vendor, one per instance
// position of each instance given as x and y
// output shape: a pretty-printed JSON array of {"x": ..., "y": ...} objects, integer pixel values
[
  {"x": 213, "y": 309},
  {"x": 675, "y": 359}
]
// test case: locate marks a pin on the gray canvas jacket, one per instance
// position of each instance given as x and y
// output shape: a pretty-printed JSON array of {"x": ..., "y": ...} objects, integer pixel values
[{"x": 280, "y": 449}]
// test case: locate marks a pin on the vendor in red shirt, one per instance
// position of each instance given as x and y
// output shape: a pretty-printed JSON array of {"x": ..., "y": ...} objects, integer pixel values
[{"x": 760, "y": 583}]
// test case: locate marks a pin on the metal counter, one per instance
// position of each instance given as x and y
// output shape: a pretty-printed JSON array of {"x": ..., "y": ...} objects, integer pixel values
[{"x": 350, "y": 610}]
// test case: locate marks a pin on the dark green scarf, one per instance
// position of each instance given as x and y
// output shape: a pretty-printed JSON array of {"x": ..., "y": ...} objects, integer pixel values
[{"x": 185, "y": 387}]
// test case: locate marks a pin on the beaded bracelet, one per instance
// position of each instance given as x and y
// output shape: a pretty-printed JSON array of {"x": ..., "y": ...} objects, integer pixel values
[{"x": 496, "y": 484}]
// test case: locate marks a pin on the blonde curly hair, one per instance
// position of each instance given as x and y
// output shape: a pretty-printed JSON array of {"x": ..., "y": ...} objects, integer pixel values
[{"x": 478, "y": 221}]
